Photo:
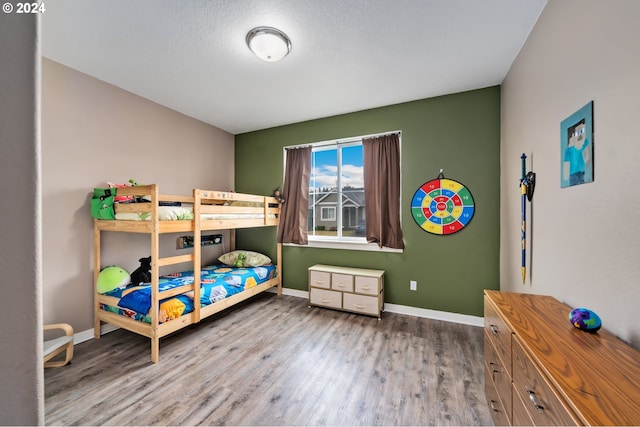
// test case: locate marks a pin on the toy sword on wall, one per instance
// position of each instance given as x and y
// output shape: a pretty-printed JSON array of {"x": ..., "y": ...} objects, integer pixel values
[
  {"x": 527, "y": 185},
  {"x": 523, "y": 231}
]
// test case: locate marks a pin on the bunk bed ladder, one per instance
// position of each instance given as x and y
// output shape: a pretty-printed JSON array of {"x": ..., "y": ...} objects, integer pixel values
[
  {"x": 197, "y": 256},
  {"x": 155, "y": 275}
]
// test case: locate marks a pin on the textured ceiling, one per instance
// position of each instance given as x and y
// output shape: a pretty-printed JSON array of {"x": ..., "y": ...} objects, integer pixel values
[{"x": 347, "y": 55}]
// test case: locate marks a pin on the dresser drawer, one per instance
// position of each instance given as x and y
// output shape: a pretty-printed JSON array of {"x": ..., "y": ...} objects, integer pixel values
[
  {"x": 520, "y": 415},
  {"x": 497, "y": 373},
  {"x": 498, "y": 413},
  {"x": 320, "y": 279},
  {"x": 541, "y": 403},
  {"x": 561, "y": 375},
  {"x": 499, "y": 333},
  {"x": 326, "y": 298},
  {"x": 367, "y": 285},
  {"x": 342, "y": 282},
  {"x": 361, "y": 304}
]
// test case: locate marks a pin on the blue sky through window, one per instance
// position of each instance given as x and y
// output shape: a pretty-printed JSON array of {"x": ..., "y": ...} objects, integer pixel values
[{"x": 325, "y": 169}]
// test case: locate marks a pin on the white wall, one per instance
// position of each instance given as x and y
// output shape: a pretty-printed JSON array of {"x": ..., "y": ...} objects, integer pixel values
[
  {"x": 585, "y": 239},
  {"x": 21, "y": 378}
]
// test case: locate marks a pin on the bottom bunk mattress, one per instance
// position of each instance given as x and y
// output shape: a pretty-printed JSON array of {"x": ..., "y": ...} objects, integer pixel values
[{"x": 217, "y": 283}]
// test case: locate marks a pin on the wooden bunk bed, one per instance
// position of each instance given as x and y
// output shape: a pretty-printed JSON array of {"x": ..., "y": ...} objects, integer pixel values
[{"x": 212, "y": 210}]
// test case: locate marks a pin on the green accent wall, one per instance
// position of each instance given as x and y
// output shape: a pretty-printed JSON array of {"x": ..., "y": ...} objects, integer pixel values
[{"x": 459, "y": 133}]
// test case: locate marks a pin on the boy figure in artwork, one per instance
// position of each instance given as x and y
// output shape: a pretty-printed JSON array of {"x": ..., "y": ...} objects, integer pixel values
[{"x": 576, "y": 156}]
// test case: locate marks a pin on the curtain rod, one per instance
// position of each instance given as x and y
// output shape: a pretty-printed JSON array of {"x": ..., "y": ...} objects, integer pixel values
[{"x": 344, "y": 140}]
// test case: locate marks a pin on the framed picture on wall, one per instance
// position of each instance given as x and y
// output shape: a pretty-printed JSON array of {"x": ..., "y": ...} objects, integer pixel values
[{"x": 576, "y": 147}]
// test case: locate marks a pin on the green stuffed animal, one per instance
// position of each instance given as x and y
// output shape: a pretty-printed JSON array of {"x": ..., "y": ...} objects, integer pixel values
[
  {"x": 111, "y": 278},
  {"x": 240, "y": 260}
]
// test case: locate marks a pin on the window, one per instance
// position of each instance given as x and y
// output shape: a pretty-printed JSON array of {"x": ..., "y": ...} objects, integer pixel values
[
  {"x": 328, "y": 214},
  {"x": 336, "y": 192},
  {"x": 336, "y": 217}
]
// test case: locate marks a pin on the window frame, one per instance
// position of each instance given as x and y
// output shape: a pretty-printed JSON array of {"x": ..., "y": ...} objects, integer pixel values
[
  {"x": 328, "y": 209},
  {"x": 349, "y": 242}
]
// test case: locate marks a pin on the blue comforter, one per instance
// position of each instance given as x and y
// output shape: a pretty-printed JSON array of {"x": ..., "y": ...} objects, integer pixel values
[{"x": 217, "y": 283}]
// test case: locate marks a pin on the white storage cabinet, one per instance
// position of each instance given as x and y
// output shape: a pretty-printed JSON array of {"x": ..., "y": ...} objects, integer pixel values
[{"x": 356, "y": 290}]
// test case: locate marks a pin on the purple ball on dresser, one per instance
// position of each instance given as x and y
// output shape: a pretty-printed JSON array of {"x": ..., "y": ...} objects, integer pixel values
[{"x": 585, "y": 319}]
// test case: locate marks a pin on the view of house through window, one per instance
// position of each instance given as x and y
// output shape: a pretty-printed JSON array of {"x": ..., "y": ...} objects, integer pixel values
[{"x": 336, "y": 192}]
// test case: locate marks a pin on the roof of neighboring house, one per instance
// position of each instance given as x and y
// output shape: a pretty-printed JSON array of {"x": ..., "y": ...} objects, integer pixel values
[{"x": 356, "y": 197}]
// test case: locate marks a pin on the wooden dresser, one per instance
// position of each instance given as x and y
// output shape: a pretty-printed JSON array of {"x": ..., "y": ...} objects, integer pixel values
[
  {"x": 351, "y": 289},
  {"x": 540, "y": 370}
]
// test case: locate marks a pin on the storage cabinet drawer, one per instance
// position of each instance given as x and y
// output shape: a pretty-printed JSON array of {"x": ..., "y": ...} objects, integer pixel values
[
  {"x": 361, "y": 303},
  {"x": 541, "y": 403},
  {"x": 367, "y": 285},
  {"x": 342, "y": 282},
  {"x": 326, "y": 298},
  {"x": 499, "y": 333},
  {"x": 320, "y": 279}
]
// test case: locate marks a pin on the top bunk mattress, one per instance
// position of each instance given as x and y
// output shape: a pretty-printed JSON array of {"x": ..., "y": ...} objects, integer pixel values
[{"x": 182, "y": 213}]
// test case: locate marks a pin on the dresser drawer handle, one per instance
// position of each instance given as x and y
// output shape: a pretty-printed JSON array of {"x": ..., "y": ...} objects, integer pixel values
[
  {"x": 492, "y": 404},
  {"x": 319, "y": 282},
  {"x": 532, "y": 397},
  {"x": 325, "y": 301},
  {"x": 494, "y": 371},
  {"x": 341, "y": 285},
  {"x": 494, "y": 329},
  {"x": 360, "y": 306},
  {"x": 366, "y": 288}
]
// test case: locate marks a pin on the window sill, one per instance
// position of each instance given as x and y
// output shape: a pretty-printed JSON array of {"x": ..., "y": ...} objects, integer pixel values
[{"x": 350, "y": 246}]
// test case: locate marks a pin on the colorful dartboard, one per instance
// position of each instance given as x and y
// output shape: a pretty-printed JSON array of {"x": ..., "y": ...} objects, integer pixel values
[{"x": 442, "y": 206}]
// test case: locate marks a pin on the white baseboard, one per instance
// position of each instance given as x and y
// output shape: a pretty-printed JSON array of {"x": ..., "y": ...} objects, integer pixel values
[
  {"x": 88, "y": 334},
  {"x": 464, "y": 319},
  {"x": 292, "y": 292}
]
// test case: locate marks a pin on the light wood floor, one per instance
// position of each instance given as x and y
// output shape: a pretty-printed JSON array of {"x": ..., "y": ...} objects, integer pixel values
[{"x": 274, "y": 361}]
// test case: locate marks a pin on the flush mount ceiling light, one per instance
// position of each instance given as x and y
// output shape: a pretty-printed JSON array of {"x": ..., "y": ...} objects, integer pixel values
[{"x": 269, "y": 44}]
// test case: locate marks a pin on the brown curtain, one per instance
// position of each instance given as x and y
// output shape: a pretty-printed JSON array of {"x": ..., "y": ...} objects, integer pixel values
[
  {"x": 382, "y": 190},
  {"x": 293, "y": 214}
]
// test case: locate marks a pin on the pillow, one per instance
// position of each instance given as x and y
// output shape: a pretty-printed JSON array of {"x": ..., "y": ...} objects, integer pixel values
[{"x": 252, "y": 259}]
